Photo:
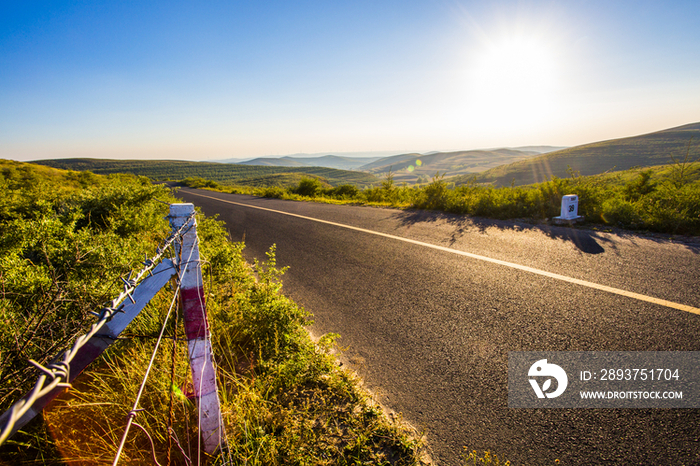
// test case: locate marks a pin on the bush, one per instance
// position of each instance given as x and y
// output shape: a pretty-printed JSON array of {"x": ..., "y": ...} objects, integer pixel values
[
  {"x": 374, "y": 194},
  {"x": 274, "y": 192},
  {"x": 344, "y": 191},
  {"x": 435, "y": 195},
  {"x": 309, "y": 187},
  {"x": 620, "y": 212},
  {"x": 640, "y": 186},
  {"x": 199, "y": 182},
  {"x": 673, "y": 210}
]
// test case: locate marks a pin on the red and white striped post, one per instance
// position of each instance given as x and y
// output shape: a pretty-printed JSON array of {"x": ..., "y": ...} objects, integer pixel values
[{"x": 197, "y": 329}]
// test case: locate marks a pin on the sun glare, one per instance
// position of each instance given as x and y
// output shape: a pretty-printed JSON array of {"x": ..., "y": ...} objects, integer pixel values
[{"x": 514, "y": 77}]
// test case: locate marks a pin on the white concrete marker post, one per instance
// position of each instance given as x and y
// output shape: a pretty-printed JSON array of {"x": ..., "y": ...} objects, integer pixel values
[
  {"x": 197, "y": 329},
  {"x": 569, "y": 210}
]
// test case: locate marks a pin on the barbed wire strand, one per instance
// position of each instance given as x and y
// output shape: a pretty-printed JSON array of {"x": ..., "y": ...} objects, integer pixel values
[
  {"x": 223, "y": 439},
  {"x": 187, "y": 429},
  {"x": 173, "y": 435},
  {"x": 201, "y": 375},
  {"x": 150, "y": 439},
  {"x": 59, "y": 372},
  {"x": 171, "y": 391},
  {"x": 226, "y": 456},
  {"x": 199, "y": 404},
  {"x": 203, "y": 316},
  {"x": 200, "y": 287},
  {"x": 133, "y": 412}
]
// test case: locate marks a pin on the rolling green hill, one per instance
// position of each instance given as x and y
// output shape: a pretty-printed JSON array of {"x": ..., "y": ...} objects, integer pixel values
[
  {"x": 227, "y": 174},
  {"x": 328, "y": 161},
  {"x": 590, "y": 159},
  {"x": 281, "y": 180},
  {"x": 411, "y": 167},
  {"x": 274, "y": 162}
]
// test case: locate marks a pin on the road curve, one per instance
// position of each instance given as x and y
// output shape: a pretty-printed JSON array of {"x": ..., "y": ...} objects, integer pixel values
[{"x": 430, "y": 304}]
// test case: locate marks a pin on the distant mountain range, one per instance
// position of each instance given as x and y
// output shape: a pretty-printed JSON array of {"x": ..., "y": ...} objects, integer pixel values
[
  {"x": 328, "y": 161},
  {"x": 354, "y": 155},
  {"x": 590, "y": 159},
  {"x": 410, "y": 167}
]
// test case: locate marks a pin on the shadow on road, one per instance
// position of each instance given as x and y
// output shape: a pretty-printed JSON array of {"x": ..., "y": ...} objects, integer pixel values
[{"x": 587, "y": 241}]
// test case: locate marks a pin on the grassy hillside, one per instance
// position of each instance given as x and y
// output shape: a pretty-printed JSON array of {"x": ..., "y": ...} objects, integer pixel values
[
  {"x": 415, "y": 167},
  {"x": 590, "y": 159},
  {"x": 274, "y": 162},
  {"x": 227, "y": 174},
  {"x": 328, "y": 161},
  {"x": 539, "y": 149},
  {"x": 279, "y": 180},
  {"x": 411, "y": 167}
]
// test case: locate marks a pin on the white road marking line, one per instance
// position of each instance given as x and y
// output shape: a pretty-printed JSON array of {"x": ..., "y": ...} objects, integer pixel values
[{"x": 556, "y": 276}]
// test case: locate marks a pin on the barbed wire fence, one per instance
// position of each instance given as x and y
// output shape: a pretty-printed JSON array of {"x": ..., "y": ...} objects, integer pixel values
[{"x": 112, "y": 320}]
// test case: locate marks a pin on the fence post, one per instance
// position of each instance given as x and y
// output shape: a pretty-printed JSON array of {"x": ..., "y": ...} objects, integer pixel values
[{"x": 193, "y": 305}]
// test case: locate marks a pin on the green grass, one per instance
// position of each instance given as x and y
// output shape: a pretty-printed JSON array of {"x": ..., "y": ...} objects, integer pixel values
[
  {"x": 222, "y": 173},
  {"x": 473, "y": 458},
  {"x": 66, "y": 238}
]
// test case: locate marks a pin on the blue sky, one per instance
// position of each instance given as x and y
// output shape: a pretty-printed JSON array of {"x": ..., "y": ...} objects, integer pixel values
[{"x": 212, "y": 80}]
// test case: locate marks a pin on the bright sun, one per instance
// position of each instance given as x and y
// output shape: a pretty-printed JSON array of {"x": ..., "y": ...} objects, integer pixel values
[{"x": 514, "y": 77}]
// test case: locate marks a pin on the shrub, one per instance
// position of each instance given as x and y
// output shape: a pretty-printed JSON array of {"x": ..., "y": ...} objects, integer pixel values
[
  {"x": 640, "y": 186},
  {"x": 274, "y": 192},
  {"x": 374, "y": 194},
  {"x": 309, "y": 187},
  {"x": 199, "y": 182},
  {"x": 434, "y": 196},
  {"x": 673, "y": 210},
  {"x": 620, "y": 212},
  {"x": 344, "y": 191}
]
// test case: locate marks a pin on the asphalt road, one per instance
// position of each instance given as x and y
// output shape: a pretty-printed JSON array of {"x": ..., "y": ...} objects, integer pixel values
[{"x": 429, "y": 330}]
